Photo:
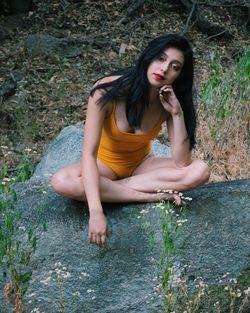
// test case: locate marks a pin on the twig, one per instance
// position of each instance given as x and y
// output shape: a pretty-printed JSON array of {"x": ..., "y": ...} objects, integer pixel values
[
  {"x": 223, "y": 5},
  {"x": 133, "y": 7},
  {"x": 216, "y": 35},
  {"x": 186, "y": 28}
]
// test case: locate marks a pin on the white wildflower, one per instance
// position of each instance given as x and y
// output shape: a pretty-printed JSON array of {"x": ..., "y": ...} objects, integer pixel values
[
  {"x": 35, "y": 310},
  {"x": 247, "y": 291},
  {"x": 58, "y": 264},
  {"x": 85, "y": 274},
  {"x": 66, "y": 275},
  {"x": 6, "y": 179},
  {"x": 22, "y": 228},
  {"x": 46, "y": 280}
]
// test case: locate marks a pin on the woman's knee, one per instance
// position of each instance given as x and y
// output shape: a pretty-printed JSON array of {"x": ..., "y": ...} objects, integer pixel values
[
  {"x": 198, "y": 173},
  {"x": 60, "y": 180}
]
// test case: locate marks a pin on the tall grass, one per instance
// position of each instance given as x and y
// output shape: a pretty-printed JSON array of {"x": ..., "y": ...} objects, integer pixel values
[
  {"x": 223, "y": 116},
  {"x": 17, "y": 242}
]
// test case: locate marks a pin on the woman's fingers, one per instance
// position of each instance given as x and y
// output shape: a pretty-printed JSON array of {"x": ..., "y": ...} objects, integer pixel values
[{"x": 99, "y": 239}]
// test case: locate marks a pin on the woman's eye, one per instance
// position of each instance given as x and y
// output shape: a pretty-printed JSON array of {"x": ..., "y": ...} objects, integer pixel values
[{"x": 175, "y": 67}]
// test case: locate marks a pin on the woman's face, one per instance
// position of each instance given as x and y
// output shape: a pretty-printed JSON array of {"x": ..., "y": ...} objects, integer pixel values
[{"x": 165, "y": 69}]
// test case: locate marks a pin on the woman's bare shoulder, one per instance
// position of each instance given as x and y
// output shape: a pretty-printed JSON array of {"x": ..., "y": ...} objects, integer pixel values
[{"x": 107, "y": 79}]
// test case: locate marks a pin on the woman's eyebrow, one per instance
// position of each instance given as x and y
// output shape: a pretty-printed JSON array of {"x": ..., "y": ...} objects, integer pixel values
[{"x": 165, "y": 54}]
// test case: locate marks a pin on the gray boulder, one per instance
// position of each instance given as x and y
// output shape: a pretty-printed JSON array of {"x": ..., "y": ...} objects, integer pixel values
[
  {"x": 70, "y": 275},
  {"x": 47, "y": 45},
  {"x": 67, "y": 148}
]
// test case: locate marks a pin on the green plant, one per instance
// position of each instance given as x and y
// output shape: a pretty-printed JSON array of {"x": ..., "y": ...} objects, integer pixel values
[
  {"x": 172, "y": 241},
  {"x": 225, "y": 93},
  {"x": 25, "y": 168},
  {"x": 17, "y": 244},
  {"x": 230, "y": 297}
]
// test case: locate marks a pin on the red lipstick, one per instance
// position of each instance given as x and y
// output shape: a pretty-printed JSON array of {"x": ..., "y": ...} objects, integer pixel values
[{"x": 158, "y": 76}]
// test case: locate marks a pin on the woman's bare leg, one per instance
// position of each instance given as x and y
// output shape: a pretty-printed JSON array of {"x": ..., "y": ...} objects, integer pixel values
[
  {"x": 68, "y": 182},
  {"x": 156, "y": 173}
]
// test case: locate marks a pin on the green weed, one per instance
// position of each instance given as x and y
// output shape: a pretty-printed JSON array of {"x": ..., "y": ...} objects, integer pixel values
[
  {"x": 226, "y": 93},
  {"x": 17, "y": 244}
]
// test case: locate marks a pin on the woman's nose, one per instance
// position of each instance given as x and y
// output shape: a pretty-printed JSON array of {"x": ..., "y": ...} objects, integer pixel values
[{"x": 164, "y": 67}]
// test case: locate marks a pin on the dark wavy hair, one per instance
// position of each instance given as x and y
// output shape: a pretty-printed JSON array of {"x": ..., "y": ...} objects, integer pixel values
[{"x": 133, "y": 86}]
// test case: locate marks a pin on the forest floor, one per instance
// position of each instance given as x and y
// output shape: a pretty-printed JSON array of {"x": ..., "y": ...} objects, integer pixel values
[{"x": 55, "y": 90}]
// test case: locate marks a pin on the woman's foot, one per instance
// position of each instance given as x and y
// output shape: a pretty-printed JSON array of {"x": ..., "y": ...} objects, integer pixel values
[{"x": 175, "y": 196}]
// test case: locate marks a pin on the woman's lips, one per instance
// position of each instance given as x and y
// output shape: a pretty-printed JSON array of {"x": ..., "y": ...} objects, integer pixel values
[{"x": 158, "y": 76}]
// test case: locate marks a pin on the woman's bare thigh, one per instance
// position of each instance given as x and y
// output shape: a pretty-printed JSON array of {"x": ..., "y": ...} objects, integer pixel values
[
  {"x": 152, "y": 162},
  {"x": 76, "y": 170}
]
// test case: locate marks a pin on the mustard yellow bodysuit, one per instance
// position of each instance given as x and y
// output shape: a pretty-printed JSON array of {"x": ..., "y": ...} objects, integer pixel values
[{"x": 121, "y": 151}]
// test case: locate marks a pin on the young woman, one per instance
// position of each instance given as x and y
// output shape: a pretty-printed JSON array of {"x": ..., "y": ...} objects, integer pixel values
[{"x": 125, "y": 112}]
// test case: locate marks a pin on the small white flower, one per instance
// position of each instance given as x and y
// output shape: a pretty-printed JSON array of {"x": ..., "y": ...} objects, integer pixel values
[
  {"x": 238, "y": 294},
  {"x": 6, "y": 179},
  {"x": 27, "y": 150},
  {"x": 93, "y": 298},
  {"x": 58, "y": 264},
  {"x": 85, "y": 274},
  {"x": 247, "y": 291},
  {"x": 66, "y": 275},
  {"x": 77, "y": 294},
  {"x": 90, "y": 290},
  {"x": 22, "y": 228},
  {"x": 44, "y": 191},
  {"x": 45, "y": 281}
]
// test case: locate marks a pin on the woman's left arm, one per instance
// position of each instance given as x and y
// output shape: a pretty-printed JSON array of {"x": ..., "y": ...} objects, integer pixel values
[{"x": 177, "y": 132}]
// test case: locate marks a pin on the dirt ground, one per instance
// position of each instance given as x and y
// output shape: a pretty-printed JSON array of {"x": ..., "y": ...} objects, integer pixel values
[{"x": 55, "y": 90}]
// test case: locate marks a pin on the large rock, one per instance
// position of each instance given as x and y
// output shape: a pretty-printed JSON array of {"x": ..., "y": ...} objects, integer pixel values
[
  {"x": 67, "y": 148},
  {"x": 123, "y": 278},
  {"x": 47, "y": 45}
]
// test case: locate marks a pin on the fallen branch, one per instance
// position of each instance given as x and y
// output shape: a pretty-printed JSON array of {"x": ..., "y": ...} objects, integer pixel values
[
  {"x": 202, "y": 21},
  {"x": 130, "y": 11},
  {"x": 240, "y": 3},
  {"x": 186, "y": 28}
]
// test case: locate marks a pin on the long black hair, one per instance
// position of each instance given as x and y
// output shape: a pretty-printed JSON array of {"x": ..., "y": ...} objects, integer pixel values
[{"x": 133, "y": 86}]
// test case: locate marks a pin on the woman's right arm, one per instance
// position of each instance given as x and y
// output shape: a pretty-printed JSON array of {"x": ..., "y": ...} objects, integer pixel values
[{"x": 98, "y": 228}]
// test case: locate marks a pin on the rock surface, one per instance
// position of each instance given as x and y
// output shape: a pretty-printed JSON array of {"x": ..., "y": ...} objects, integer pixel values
[
  {"x": 122, "y": 278},
  {"x": 67, "y": 148},
  {"x": 47, "y": 45}
]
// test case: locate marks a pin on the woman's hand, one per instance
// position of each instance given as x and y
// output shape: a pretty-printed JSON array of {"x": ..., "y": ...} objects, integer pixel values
[
  {"x": 169, "y": 100},
  {"x": 98, "y": 229}
]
